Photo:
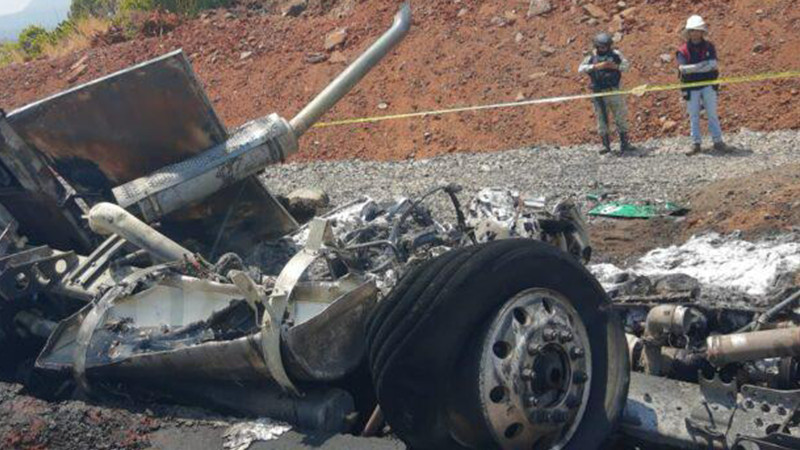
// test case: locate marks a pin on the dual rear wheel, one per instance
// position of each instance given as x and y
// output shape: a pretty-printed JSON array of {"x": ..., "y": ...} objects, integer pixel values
[{"x": 510, "y": 344}]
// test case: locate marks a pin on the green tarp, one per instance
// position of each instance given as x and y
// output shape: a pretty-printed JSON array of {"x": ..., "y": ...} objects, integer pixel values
[{"x": 637, "y": 210}]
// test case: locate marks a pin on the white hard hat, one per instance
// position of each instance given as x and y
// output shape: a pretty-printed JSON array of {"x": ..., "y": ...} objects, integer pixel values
[{"x": 696, "y": 23}]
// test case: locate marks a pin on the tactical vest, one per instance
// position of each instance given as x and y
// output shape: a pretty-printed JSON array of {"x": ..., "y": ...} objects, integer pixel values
[{"x": 605, "y": 79}]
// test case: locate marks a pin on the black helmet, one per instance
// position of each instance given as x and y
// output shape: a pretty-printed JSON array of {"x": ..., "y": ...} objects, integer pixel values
[{"x": 603, "y": 40}]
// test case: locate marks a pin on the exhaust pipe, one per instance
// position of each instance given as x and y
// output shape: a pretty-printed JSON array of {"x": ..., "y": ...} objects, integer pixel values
[
  {"x": 354, "y": 73},
  {"x": 108, "y": 218},
  {"x": 254, "y": 146},
  {"x": 742, "y": 347}
]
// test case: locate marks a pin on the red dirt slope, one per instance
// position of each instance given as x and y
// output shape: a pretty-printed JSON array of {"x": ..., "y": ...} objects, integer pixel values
[{"x": 460, "y": 52}]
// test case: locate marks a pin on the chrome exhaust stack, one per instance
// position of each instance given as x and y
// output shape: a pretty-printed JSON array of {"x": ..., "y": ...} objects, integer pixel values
[{"x": 354, "y": 73}]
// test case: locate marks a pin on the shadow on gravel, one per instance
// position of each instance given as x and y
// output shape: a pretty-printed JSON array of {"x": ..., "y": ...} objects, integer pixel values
[
  {"x": 732, "y": 152},
  {"x": 637, "y": 152}
]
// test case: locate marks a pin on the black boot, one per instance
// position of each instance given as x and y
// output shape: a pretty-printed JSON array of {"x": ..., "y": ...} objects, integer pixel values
[
  {"x": 606, "y": 144},
  {"x": 624, "y": 145}
]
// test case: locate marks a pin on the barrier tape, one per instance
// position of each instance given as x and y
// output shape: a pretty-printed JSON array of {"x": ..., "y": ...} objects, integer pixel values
[{"x": 637, "y": 91}]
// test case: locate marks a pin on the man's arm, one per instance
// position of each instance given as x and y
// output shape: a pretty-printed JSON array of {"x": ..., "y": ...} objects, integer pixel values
[
  {"x": 624, "y": 65},
  {"x": 586, "y": 65},
  {"x": 702, "y": 67}
]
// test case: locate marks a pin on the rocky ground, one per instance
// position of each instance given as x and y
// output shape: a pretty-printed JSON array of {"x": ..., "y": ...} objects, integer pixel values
[
  {"x": 30, "y": 423},
  {"x": 254, "y": 61}
]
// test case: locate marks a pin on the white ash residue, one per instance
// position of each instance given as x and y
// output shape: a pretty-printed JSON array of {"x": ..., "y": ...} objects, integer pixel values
[
  {"x": 753, "y": 268},
  {"x": 241, "y": 435},
  {"x": 725, "y": 262}
]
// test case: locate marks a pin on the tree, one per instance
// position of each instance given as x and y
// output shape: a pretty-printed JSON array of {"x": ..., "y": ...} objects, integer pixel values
[
  {"x": 32, "y": 40},
  {"x": 97, "y": 8}
]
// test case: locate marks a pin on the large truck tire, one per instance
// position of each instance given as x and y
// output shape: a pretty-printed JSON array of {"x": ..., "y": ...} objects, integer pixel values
[{"x": 509, "y": 344}]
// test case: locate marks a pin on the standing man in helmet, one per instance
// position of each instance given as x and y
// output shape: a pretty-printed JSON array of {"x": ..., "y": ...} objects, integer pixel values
[
  {"x": 697, "y": 62},
  {"x": 604, "y": 67}
]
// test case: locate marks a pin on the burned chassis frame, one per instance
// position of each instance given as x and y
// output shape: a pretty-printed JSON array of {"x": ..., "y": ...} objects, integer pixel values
[{"x": 691, "y": 388}]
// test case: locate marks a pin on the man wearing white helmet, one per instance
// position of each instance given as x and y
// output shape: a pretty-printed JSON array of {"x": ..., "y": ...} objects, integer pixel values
[{"x": 697, "y": 62}]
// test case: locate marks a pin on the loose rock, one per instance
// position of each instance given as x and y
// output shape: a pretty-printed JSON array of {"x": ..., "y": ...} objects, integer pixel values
[
  {"x": 596, "y": 11},
  {"x": 335, "y": 39},
  {"x": 316, "y": 58},
  {"x": 669, "y": 126},
  {"x": 76, "y": 73},
  {"x": 539, "y": 7},
  {"x": 295, "y": 8}
]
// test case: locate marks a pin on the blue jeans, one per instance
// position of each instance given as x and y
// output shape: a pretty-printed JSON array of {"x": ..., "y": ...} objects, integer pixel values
[{"x": 707, "y": 97}]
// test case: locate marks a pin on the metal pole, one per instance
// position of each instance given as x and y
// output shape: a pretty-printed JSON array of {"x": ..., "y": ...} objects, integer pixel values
[
  {"x": 354, "y": 73},
  {"x": 108, "y": 218},
  {"x": 753, "y": 346}
]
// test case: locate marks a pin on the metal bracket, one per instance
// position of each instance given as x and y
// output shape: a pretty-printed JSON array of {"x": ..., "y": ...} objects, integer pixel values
[
  {"x": 763, "y": 411},
  {"x": 8, "y": 236},
  {"x": 712, "y": 419},
  {"x": 28, "y": 272},
  {"x": 275, "y": 307},
  {"x": 96, "y": 262}
]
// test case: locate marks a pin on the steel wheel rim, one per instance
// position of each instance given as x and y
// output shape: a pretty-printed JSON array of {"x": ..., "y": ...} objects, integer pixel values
[{"x": 535, "y": 371}]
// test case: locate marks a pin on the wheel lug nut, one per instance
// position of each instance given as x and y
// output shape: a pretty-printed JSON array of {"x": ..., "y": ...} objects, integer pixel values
[
  {"x": 580, "y": 377},
  {"x": 565, "y": 336},
  {"x": 533, "y": 349},
  {"x": 540, "y": 416},
  {"x": 573, "y": 402},
  {"x": 526, "y": 374},
  {"x": 577, "y": 353},
  {"x": 549, "y": 334},
  {"x": 531, "y": 401}
]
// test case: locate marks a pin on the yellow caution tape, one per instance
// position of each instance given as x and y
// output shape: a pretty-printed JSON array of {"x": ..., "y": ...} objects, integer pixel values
[{"x": 638, "y": 91}]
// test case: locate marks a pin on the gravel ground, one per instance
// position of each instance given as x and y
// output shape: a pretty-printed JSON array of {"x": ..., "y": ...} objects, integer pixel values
[{"x": 658, "y": 169}]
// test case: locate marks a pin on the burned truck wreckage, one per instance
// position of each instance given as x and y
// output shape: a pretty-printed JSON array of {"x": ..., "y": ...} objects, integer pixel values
[{"x": 140, "y": 251}]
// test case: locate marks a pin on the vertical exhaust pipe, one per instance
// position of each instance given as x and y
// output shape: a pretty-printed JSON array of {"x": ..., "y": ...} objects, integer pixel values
[{"x": 339, "y": 87}]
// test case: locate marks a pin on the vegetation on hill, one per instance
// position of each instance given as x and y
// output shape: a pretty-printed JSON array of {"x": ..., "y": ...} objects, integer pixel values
[{"x": 89, "y": 19}]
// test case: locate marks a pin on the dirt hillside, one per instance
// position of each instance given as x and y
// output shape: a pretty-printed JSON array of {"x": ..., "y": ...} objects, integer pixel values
[
  {"x": 254, "y": 61},
  {"x": 760, "y": 205}
]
